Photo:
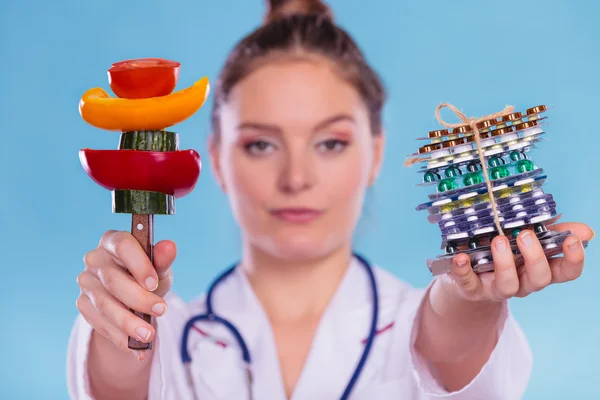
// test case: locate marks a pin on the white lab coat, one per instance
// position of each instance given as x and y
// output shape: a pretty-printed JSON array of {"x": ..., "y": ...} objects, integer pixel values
[{"x": 393, "y": 370}]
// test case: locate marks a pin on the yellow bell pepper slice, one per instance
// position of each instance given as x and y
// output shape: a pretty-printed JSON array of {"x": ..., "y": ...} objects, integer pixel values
[{"x": 98, "y": 109}]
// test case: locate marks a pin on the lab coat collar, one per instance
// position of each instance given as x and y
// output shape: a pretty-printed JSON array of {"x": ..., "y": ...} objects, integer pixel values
[{"x": 336, "y": 348}]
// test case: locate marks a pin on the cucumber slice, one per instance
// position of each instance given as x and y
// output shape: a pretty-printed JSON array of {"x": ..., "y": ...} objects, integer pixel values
[
  {"x": 149, "y": 141},
  {"x": 142, "y": 202}
]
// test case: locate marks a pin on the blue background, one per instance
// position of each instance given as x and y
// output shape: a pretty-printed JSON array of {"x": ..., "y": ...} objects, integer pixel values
[{"x": 478, "y": 55}]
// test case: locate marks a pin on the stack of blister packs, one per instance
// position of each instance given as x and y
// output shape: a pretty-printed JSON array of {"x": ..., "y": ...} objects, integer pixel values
[{"x": 461, "y": 203}]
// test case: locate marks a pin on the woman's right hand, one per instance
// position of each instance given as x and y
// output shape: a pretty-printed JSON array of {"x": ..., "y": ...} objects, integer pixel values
[{"x": 108, "y": 291}]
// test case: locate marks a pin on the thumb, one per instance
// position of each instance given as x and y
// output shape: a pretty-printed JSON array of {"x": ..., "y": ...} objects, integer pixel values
[
  {"x": 165, "y": 252},
  {"x": 465, "y": 277},
  {"x": 583, "y": 231}
]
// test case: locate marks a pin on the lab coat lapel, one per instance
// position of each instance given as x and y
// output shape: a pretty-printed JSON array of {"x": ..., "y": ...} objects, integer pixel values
[
  {"x": 224, "y": 375},
  {"x": 337, "y": 346},
  {"x": 268, "y": 381}
]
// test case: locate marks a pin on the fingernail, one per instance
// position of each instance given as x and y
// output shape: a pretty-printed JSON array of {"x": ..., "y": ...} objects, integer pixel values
[
  {"x": 151, "y": 283},
  {"x": 593, "y": 234},
  {"x": 526, "y": 239},
  {"x": 159, "y": 309},
  {"x": 136, "y": 354},
  {"x": 574, "y": 245},
  {"x": 501, "y": 246},
  {"x": 143, "y": 333},
  {"x": 461, "y": 262}
]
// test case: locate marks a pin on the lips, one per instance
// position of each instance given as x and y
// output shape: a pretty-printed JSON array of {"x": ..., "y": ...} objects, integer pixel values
[{"x": 297, "y": 215}]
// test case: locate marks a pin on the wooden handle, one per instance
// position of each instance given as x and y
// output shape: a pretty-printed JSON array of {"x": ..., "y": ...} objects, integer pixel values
[{"x": 142, "y": 228}]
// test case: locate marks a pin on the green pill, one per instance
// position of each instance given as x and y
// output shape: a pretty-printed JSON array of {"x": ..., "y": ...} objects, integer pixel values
[
  {"x": 499, "y": 173},
  {"x": 524, "y": 166},
  {"x": 452, "y": 172},
  {"x": 473, "y": 178},
  {"x": 429, "y": 177},
  {"x": 447, "y": 184},
  {"x": 473, "y": 167},
  {"x": 495, "y": 162},
  {"x": 516, "y": 156}
]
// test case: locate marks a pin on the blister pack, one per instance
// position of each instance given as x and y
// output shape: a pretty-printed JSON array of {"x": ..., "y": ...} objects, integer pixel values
[
  {"x": 481, "y": 257},
  {"x": 508, "y": 221},
  {"x": 446, "y": 205},
  {"x": 457, "y": 244},
  {"x": 481, "y": 188},
  {"x": 486, "y": 184},
  {"x": 505, "y": 211},
  {"x": 514, "y": 202},
  {"x": 512, "y": 132},
  {"x": 467, "y": 173}
]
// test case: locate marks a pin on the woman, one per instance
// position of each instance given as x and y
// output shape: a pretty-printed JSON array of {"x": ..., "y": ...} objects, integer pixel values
[{"x": 297, "y": 141}]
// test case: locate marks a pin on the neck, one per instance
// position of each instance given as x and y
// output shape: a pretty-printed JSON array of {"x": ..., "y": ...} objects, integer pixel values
[{"x": 292, "y": 290}]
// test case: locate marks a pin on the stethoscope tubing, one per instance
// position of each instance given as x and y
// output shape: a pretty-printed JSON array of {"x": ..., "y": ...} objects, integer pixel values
[{"x": 211, "y": 316}]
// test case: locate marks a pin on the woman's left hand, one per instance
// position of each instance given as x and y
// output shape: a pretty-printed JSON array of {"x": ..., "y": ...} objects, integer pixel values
[{"x": 507, "y": 281}]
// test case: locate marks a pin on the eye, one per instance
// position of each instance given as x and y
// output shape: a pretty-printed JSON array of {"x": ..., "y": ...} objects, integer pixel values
[
  {"x": 333, "y": 145},
  {"x": 258, "y": 147}
]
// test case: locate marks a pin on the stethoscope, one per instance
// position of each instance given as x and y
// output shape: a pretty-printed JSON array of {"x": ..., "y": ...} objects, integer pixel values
[{"x": 210, "y": 315}]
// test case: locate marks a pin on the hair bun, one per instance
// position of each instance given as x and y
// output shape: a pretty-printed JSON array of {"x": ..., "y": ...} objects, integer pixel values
[{"x": 279, "y": 9}]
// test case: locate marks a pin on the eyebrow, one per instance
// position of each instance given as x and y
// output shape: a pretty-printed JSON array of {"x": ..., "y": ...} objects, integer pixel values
[{"x": 276, "y": 129}]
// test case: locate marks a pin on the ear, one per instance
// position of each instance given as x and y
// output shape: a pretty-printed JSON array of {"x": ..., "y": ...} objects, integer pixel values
[
  {"x": 378, "y": 150},
  {"x": 215, "y": 160}
]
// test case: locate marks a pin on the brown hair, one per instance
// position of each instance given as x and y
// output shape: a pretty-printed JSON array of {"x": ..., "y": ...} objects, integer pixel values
[{"x": 301, "y": 27}]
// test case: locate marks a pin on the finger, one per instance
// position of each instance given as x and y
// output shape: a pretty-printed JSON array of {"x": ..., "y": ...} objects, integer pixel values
[
  {"x": 113, "y": 311},
  {"x": 101, "y": 325},
  {"x": 506, "y": 282},
  {"x": 583, "y": 231},
  {"x": 128, "y": 253},
  {"x": 125, "y": 289},
  {"x": 164, "y": 254},
  {"x": 570, "y": 266},
  {"x": 537, "y": 270},
  {"x": 465, "y": 278},
  {"x": 121, "y": 285},
  {"x": 96, "y": 258}
]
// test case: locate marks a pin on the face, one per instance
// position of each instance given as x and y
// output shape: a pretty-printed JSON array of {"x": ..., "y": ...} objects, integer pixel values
[{"x": 295, "y": 157}]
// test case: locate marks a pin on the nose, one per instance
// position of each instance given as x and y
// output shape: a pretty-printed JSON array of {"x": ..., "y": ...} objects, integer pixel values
[{"x": 297, "y": 172}]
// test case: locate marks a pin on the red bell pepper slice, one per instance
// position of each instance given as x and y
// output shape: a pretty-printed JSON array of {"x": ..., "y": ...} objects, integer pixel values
[{"x": 170, "y": 172}]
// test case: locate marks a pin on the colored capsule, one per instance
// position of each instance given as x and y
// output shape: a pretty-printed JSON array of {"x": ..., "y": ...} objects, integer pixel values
[
  {"x": 473, "y": 178},
  {"x": 448, "y": 208},
  {"x": 452, "y": 172},
  {"x": 499, "y": 173},
  {"x": 515, "y": 233},
  {"x": 495, "y": 162},
  {"x": 473, "y": 167},
  {"x": 451, "y": 249},
  {"x": 524, "y": 166},
  {"x": 540, "y": 228},
  {"x": 526, "y": 188},
  {"x": 429, "y": 177},
  {"x": 447, "y": 184},
  {"x": 473, "y": 244},
  {"x": 467, "y": 203},
  {"x": 517, "y": 156}
]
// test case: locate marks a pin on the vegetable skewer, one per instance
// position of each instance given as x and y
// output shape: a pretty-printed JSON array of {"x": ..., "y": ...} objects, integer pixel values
[{"x": 148, "y": 171}]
